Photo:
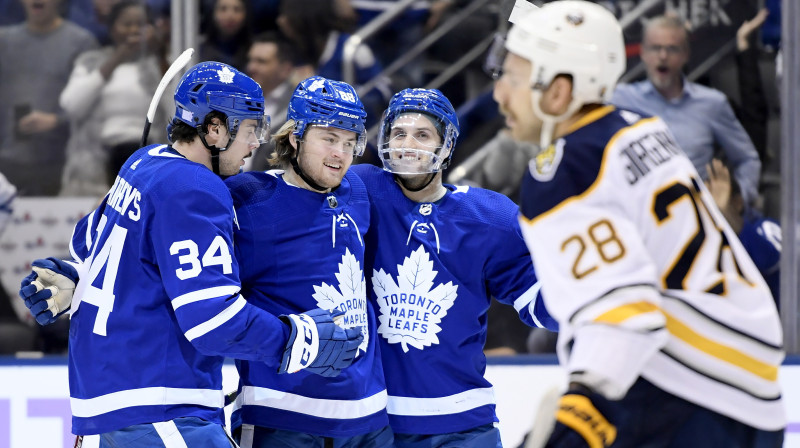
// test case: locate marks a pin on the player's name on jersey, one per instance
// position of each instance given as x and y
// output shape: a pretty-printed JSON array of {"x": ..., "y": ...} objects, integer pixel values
[
  {"x": 647, "y": 152},
  {"x": 123, "y": 197}
]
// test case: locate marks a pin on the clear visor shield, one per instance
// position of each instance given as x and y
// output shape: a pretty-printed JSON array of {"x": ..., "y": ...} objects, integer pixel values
[
  {"x": 493, "y": 65},
  {"x": 250, "y": 130},
  {"x": 328, "y": 133},
  {"x": 413, "y": 144}
]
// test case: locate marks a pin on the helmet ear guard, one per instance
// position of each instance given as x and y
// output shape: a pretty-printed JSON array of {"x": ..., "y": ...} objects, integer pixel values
[{"x": 411, "y": 105}]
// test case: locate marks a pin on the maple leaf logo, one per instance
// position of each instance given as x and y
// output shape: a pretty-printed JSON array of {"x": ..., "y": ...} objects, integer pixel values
[
  {"x": 350, "y": 296},
  {"x": 225, "y": 75},
  {"x": 411, "y": 309}
]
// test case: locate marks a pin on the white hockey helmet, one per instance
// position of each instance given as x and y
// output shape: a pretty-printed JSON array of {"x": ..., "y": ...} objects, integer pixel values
[{"x": 570, "y": 37}]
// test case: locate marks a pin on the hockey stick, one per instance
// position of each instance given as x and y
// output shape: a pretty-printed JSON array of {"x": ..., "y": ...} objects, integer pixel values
[{"x": 173, "y": 69}]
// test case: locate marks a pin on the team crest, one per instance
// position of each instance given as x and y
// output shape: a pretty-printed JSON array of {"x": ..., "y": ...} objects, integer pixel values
[
  {"x": 544, "y": 165},
  {"x": 575, "y": 18},
  {"x": 225, "y": 75},
  {"x": 411, "y": 309},
  {"x": 350, "y": 296}
]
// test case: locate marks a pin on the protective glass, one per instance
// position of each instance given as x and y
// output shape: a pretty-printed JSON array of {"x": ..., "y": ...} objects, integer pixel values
[
  {"x": 412, "y": 143},
  {"x": 333, "y": 141},
  {"x": 249, "y": 129}
]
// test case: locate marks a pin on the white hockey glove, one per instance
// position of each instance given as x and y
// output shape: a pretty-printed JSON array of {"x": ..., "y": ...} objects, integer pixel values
[
  {"x": 47, "y": 291},
  {"x": 318, "y": 345}
]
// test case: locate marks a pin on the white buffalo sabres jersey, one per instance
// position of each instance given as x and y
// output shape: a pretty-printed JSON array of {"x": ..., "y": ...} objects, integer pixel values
[
  {"x": 158, "y": 304},
  {"x": 645, "y": 276},
  {"x": 434, "y": 268},
  {"x": 299, "y": 250}
]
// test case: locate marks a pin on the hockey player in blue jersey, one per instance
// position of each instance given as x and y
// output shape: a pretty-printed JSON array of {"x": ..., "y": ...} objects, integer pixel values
[
  {"x": 667, "y": 331},
  {"x": 157, "y": 303},
  {"x": 300, "y": 245},
  {"x": 436, "y": 255},
  {"x": 760, "y": 235}
]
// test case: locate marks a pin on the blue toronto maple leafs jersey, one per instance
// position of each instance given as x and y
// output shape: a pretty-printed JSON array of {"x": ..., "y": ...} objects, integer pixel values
[
  {"x": 158, "y": 304},
  {"x": 300, "y": 250},
  {"x": 434, "y": 268}
]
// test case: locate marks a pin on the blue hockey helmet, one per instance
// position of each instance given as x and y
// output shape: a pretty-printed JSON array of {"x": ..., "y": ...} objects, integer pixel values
[
  {"x": 214, "y": 86},
  {"x": 418, "y": 155},
  {"x": 325, "y": 102}
]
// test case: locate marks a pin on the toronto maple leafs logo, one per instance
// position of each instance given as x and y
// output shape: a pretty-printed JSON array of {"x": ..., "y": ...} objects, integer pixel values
[
  {"x": 225, "y": 75},
  {"x": 412, "y": 309},
  {"x": 350, "y": 297}
]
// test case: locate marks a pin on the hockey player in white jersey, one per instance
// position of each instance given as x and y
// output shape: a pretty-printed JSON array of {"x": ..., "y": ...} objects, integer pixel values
[
  {"x": 436, "y": 255},
  {"x": 158, "y": 305},
  {"x": 301, "y": 245},
  {"x": 668, "y": 332}
]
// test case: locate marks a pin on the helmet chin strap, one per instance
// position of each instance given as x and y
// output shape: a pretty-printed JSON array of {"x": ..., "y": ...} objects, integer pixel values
[
  {"x": 307, "y": 179},
  {"x": 549, "y": 121},
  {"x": 214, "y": 150}
]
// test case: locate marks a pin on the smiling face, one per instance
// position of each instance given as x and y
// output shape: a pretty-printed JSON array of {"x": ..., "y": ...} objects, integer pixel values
[
  {"x": 325, "y": 154},
  {"x": 665, "y": 50},
  {"x": 512, "y": 91}
]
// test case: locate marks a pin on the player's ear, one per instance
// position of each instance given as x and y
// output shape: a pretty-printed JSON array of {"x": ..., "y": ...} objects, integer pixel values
[
  {"x": 293, "y": 141},
  {"x": 557, "y": 96}
]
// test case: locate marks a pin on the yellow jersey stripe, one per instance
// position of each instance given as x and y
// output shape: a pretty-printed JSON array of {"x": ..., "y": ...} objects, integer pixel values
[
  {"x": 723, "y": 352},
  {"x": 625, "y": 312}
]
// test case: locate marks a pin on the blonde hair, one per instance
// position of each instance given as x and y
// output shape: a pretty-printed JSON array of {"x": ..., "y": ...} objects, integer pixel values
[
  {"x": 284, "y": 151},
  {"x": 671, "y": 21}
]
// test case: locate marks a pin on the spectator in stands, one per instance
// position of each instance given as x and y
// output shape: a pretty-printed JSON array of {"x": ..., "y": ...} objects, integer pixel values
[
  {"x": 319, "y": 34},
  {"x": 36, "y": 58},
  {"x": 93, "y": 16},
  {"x": 401, "y": 34},
  {"x": 269, "y": 63},
  {"x": 753, "y": 110},
  {"x": 761, "y": 237},
  {"x": 106, "y": 98},
  {"x": 699, "y": 117},
  {"x": 227, "y": 34}
]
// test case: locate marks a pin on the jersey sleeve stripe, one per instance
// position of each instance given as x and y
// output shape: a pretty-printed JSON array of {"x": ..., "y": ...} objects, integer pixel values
[
  {"x": 625, "y": 312},
  {"x": 715, "y": 349},
  {"x": 451, "y": 404},
  {"x": 530, "y": 221},
  {"x": 149, "y": 396},
  {"x": 528, "y": 299},
  {"x": 204, "y": 294},
  {"x": 217, "y": 320}
]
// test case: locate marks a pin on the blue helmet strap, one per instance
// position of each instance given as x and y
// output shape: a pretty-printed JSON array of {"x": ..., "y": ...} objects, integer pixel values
[{"x": 306, "y": 179}]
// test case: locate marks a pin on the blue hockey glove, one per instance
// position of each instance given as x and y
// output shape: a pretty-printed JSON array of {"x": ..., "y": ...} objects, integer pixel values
[
  {"x": 47, "y": 291},
  {"x": 318, "y": 345},
  {"x": 581, "y": 421}
]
